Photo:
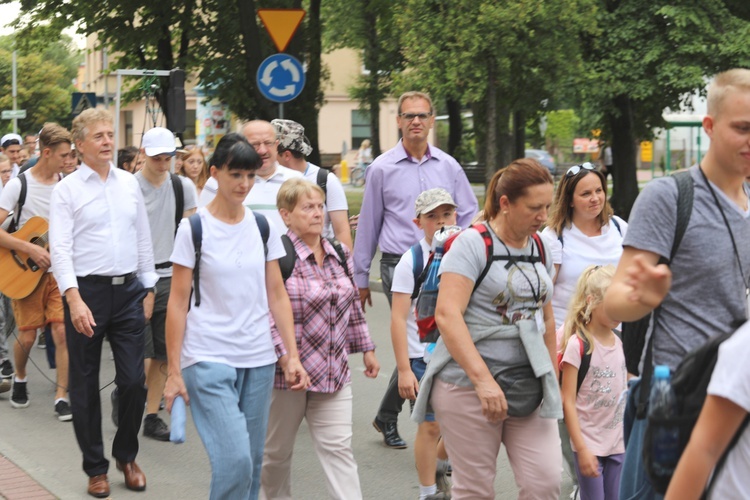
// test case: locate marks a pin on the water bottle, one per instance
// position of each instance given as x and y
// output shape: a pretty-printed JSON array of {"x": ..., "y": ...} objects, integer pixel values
[
  {"x": 177, "y": 434},
  {"x": 666, "y": 435}
]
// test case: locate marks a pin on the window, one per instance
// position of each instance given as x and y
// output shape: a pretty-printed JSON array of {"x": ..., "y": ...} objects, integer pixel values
[{"x": 360, "y": 127}]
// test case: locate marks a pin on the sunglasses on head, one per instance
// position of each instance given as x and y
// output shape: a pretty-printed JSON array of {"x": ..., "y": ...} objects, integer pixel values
[{"x": 576, "y": 169}]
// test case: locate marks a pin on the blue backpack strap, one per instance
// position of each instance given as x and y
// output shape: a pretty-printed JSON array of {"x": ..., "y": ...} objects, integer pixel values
[
  {"x": 617, "y": 225},
  {"x": 417, "y": 266},
  {"x": 265, "y": 231},
  {"x": 197, "y": 230}
]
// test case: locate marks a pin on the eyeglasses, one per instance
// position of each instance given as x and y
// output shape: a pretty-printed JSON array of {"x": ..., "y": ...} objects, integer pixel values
[
  {"x": 576, "y": 169},
  {"x": 267, "y": 144},
  {"x": 409, "y": 117}
]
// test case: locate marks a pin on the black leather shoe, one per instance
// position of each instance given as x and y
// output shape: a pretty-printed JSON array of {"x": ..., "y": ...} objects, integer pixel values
[{"x": 389, "y": 430}]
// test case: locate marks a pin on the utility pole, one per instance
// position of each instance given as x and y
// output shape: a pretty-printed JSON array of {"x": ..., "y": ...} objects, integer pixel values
[{"x": 15, "y": 94}]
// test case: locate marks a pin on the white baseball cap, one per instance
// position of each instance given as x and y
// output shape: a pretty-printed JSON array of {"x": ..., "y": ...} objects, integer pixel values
[
  {"x": 11, "y": 137},
  {"x": 159, "y": 141}
]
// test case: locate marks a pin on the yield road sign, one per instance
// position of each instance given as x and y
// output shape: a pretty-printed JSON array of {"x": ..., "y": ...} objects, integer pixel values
[
  {"x": 281, "y": 24},
  {"x": 10, "y": 114},
  {"x": 83, "y": 101},
  {"x": 280, "y": 78}
]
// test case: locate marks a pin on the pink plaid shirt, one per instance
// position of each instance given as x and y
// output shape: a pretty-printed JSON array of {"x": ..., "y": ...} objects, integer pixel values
[{"x": 329, "y": 323}]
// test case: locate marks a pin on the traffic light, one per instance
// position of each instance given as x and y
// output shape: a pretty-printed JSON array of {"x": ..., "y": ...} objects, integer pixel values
[{"x": 176, "y": 106}]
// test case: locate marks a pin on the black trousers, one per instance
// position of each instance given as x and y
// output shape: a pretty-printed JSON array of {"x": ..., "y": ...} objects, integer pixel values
[
  {"x": 391, "y": 404},
  {"x": 118, "y": 314}
]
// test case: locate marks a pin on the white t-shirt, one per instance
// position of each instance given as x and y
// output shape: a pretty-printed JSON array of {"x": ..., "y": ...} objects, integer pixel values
[
  {"x": 37, "y": 198},
  {"x": 575, "y": 254},
  {"x": 232, "y": 324},
  {"x": 599, "y": 404},
  {"x": 403, "y": 282},
  {"x": 335, "y": 196},
  {"x": 731, "y": 380}
]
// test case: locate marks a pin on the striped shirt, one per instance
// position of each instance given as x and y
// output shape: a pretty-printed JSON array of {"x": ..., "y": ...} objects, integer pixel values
[{"x": 329, "y": 323}]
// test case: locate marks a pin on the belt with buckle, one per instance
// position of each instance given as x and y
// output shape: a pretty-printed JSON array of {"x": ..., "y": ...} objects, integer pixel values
[
  {"x": 163, "y": 265},
  {"x": 109, "y": 280}
]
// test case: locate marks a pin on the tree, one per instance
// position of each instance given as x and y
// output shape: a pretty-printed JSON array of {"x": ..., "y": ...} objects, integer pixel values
[
  {"x": 367, "y": 25},
  {"x": 221, "y": 39},
  {"x": 651, "y": 55},
  {"x": 502, "y": 57},
  {"x": 45, "y": 80}
]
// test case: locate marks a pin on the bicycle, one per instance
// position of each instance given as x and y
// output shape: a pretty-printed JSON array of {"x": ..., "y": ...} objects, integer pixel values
[{"x": 357, "y": 176}]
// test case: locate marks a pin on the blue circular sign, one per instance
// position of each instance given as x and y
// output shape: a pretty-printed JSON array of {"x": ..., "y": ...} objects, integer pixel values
[{"x": 280, "y": 78}]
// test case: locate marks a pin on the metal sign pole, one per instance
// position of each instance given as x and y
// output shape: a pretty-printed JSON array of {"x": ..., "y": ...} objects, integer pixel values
[{"x": 281, "y": 110}]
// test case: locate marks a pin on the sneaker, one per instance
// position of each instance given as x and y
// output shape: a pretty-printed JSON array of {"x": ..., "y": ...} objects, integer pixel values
[
  {"x": 115, "y": 397},
  {"x": 5, "y": 385},
  {"x": 441, "y": 477},
  {"x": 155, "y": 428},
  {"x": 41, "y": 342},
  {"x": 6, "y": 369},
  {"x": 62, "y": 410},
  {"x": 440, "y": 495},
  {"x": 20, "y": 397}
]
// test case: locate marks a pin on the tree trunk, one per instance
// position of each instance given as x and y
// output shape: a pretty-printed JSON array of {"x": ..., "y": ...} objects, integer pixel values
[
  {"x": 455, "y": 126},
  {"x": 306, "y": 46},
  {"x": 371, "y": 59},
  {"x": 491, "y": 144},
  {"x": 624, "y": 154},
  {"x": 519, "y": 134}
]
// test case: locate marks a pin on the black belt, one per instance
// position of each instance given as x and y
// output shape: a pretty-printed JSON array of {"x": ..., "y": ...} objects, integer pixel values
[
  {"x": 392, "y": 255},
  {"x": 163, "y": 265},
  {"x": 109, "y": 280}
]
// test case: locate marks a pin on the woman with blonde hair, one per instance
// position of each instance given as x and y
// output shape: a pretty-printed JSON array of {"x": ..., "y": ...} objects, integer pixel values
[
  {"x": 194, "y": 167},
  {"x": 593, "y": 379},
  {"x": 330, "y": 325}
]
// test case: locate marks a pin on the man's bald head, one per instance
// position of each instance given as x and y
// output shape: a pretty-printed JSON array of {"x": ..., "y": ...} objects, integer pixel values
[{"x": 262, "y": 136}]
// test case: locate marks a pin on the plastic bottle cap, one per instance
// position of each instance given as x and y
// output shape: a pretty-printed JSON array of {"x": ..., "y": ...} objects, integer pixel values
[{"x": 661, "y": 371}]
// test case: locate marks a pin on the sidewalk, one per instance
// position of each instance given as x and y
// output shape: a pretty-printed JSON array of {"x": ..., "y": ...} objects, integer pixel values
[{"x": 16, "y": 484}]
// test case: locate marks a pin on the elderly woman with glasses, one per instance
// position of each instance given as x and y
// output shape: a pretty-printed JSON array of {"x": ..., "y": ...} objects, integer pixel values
[{"x": 581, "y": 231}]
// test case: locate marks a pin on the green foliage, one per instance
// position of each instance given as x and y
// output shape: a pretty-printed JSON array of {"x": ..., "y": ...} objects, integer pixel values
[
  {"x": 562, "y": 127},
  {"x": 45, "y": 69}
]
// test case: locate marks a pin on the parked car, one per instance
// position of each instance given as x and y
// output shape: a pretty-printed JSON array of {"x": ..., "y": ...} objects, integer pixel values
[{"x": 542, "y": 157}]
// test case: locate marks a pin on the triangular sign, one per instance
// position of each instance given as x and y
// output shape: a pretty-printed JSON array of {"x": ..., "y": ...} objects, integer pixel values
[
  {"x": 83, "y": 105},
  {"x": 281, "y": 24}
]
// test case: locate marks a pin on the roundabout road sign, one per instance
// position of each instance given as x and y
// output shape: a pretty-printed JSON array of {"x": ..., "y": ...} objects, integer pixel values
[{"x": 280, "y": 78}]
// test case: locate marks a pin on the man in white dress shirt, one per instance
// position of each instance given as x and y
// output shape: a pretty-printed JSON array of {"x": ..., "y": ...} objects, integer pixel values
[{"x": 103, "y": 261}]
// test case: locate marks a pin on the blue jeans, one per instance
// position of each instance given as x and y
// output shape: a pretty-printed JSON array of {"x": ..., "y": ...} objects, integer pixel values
[
  {"x": 230, "y": 410},
  {"x": 634, "y": 483}
]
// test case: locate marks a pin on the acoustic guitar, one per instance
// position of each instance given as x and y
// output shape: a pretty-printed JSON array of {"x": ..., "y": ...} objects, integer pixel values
[{"x": 19, "y": 275}]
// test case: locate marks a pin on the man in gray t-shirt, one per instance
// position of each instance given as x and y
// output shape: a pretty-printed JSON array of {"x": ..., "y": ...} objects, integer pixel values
[
  {"x": 704, "y": 291},
  {"x": 161, "y": 205}
]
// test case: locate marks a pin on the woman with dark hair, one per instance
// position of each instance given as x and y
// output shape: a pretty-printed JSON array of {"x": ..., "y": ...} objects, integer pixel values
[
  {"x": 126, "y": 158},
  {"x": 494, "y": 362},
  {"x": 220, "y": 352},
  {"x": 581, "y": 232}
]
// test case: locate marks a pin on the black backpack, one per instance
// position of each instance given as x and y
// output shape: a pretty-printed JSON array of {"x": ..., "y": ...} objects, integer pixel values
[
  {"x": 196, "y": 229},
  {"x": 634, "y": 332},
  {"x": 690, "y": 385},
  {"x": 287, "y": 262}
]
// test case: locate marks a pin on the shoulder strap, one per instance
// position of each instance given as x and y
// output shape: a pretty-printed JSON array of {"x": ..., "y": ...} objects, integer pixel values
[
  {"x": 322, "y": 180},
  {"x": 16, "y": 221},
  {"x": 685, "y": 194},
  {"x": 417, "y": 266},
  {"x": 489, "y": 248},
  {"x": 540, "y": 246},
  {"x": 585, "y": 362},
  {"x": 336, "y": 244},
  {"x": 722, "y": 461},
  {"x": 262, "y": 222},
  {"x": 286, "y": 263},
  {"x": 617, "y": 225},
  {"x": 197, "y": 230},
  {"x": 179, "y": 199}
]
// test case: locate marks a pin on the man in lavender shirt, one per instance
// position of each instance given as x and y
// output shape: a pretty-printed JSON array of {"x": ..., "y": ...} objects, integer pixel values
[{"x": 393, "y": 182}]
